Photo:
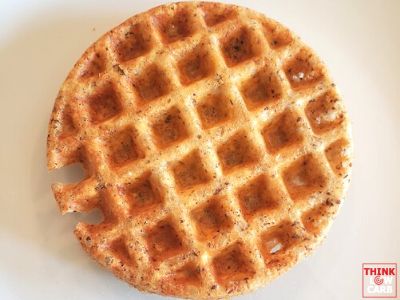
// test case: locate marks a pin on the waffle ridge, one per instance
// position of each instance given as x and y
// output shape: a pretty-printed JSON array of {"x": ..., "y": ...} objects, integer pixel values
[{"x": 214, "y": 143}]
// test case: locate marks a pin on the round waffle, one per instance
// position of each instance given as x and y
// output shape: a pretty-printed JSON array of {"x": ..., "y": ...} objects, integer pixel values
[{"x": 214, "y": 143}]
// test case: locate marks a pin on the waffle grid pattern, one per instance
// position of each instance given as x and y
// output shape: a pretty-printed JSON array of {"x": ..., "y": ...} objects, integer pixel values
[{"x": 215, "y": 146}]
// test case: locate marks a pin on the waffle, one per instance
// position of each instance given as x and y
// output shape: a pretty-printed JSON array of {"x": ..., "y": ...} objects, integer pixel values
[{"x": 215, "y": 145}]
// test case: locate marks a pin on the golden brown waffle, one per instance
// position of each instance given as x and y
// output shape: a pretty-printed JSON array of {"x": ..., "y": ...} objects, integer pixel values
[{"x": 215, "y": 144}]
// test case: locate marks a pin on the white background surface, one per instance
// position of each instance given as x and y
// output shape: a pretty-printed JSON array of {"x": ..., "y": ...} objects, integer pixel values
[{"x": 40, "y": 41}]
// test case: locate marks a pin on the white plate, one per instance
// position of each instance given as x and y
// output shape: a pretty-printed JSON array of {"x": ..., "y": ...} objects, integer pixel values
[{"x": 39, "y": 42}]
